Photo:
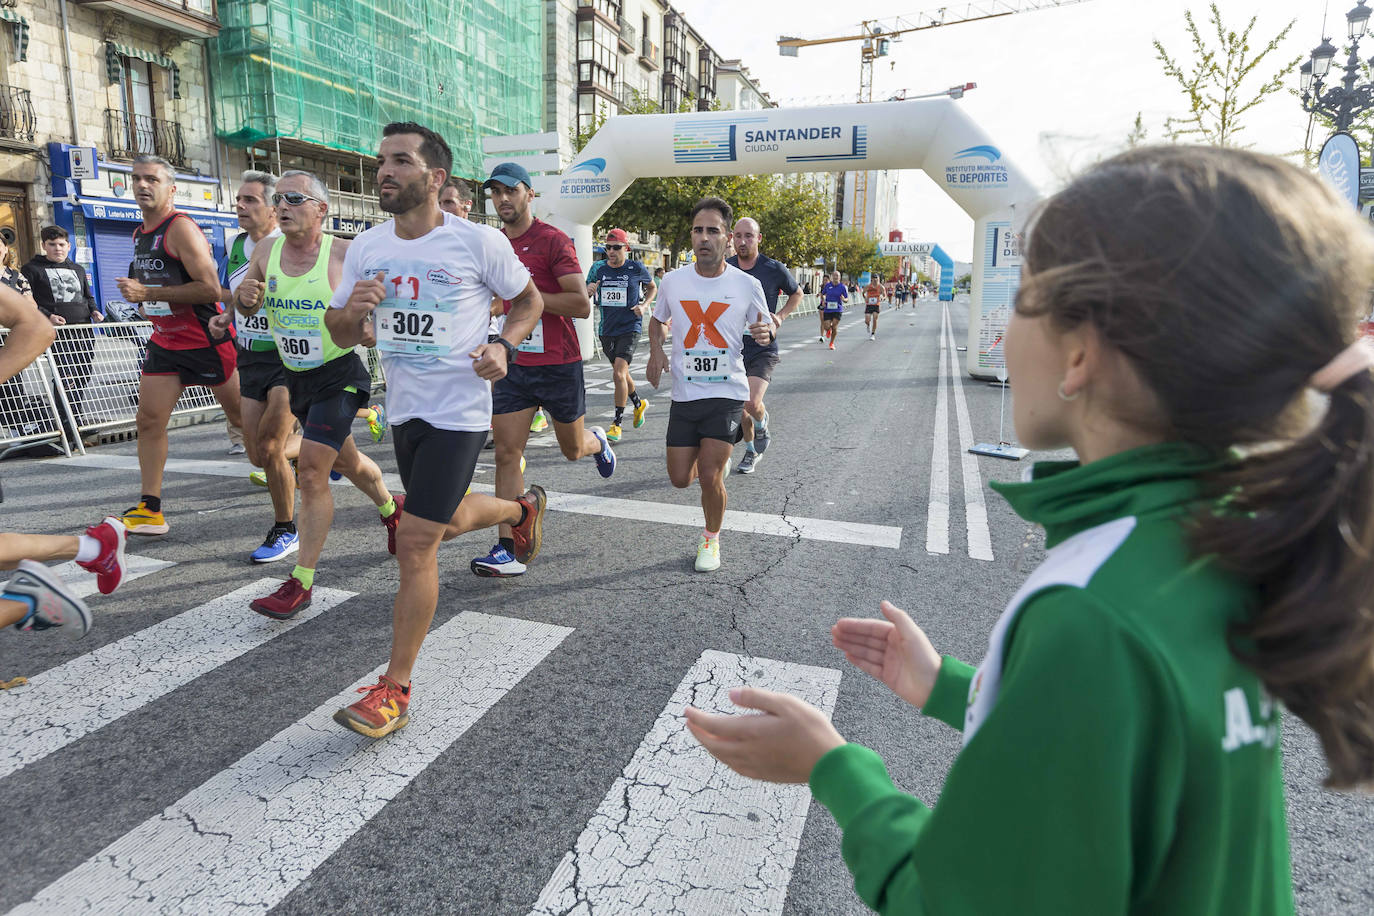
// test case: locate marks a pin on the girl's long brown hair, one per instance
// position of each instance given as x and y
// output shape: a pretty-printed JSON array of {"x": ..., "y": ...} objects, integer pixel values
[{"x": 1227, "y": 279}]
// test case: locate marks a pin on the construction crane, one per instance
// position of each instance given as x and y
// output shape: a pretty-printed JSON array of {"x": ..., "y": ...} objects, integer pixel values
[{"x": 877, "y": 36}]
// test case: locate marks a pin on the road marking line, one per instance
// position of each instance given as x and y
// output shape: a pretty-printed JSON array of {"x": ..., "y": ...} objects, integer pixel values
[
  {"x": 87, "y": 693},
  {"x": 813, "y": 529},
  {"x": 975, "y": 508},
  {"x": 251, "y": 833},
  {"x": 937, "y": 511},
  {"x": 83, "y": 585},
  {"x": 679, "y": 832}
]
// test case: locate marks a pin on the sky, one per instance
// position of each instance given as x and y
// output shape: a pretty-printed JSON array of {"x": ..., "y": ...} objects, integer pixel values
[{"x": 1057, "y": 88}]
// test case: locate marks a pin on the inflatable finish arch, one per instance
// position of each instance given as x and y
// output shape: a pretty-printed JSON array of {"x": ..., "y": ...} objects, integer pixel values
[
  {"x": 933, "y": 135},
  {"x": 936, "y": 253}
]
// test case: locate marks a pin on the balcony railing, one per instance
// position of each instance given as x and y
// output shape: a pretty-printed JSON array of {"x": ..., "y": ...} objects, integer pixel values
[
  {"x": 627, "y": 35},
  {"x": 130, "y": 135},
  {"x": 17, "y": 117},
  {"x": 648, "y": 52}
]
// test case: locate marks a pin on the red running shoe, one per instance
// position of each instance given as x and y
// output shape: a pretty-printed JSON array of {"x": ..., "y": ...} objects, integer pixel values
[
  {"x": 391, "y": 521},
  {"x": 380, "y": 712},
  {"x": 529, "y": 534},
  {"x": 109, "y": 566},
  {"x": 286, "y": 602}
]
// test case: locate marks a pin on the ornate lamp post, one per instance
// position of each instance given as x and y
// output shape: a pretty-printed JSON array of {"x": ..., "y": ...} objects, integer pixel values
[{"x": 1342, "y": 101}]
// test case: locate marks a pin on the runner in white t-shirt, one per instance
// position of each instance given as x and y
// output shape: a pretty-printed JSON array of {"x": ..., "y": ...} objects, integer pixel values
[
  {"x": 423, "y": 283},
  {"x": 711, "y": 305}
]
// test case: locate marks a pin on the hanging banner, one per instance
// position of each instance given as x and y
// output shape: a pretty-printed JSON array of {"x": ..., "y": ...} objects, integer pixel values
[{"x": 1340, "y": 166}]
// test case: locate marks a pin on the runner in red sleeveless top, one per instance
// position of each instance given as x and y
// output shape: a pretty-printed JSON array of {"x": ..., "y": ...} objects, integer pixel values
[{"x": 175, "y": 283}]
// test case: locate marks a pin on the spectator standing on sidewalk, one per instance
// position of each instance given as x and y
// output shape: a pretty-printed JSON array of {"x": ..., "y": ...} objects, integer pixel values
[{"x": 62, "y": 292}]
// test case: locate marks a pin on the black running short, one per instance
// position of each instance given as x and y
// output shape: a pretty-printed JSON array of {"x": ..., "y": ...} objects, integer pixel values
[
  {"x": 709, "y": 418},
  {"x": 761, "y": 364},
  {"x": 326, "y": 399},
  {"x": 870, "y": 309},
  {"x": 436, "y": 467},
  {"x": 827, "y": 316},
  {"x": 620, "y": 346},
  {"x": 259, "y": 372},
  {"x": 209, "y": 366},
  {"x": 558, "y": 389}
]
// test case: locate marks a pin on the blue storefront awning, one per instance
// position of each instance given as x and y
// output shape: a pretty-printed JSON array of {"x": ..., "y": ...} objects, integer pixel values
[{"x": 99, "y": 208}]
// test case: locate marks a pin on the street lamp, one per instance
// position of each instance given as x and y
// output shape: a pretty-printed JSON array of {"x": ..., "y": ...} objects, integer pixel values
[{"x": 1343, "y": 101}]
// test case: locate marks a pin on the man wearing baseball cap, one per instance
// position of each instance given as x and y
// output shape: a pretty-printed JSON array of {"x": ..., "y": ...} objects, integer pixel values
[
  {"x": 547, "y": 371},
  {"x": 623, "y": 289}
]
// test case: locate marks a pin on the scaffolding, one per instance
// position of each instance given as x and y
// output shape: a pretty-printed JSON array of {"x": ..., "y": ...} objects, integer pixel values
[{"x": 332, "y": 72}]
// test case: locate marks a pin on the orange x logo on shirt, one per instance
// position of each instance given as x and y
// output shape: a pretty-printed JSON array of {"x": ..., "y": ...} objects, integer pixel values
[{"x": 704, "y": 323}]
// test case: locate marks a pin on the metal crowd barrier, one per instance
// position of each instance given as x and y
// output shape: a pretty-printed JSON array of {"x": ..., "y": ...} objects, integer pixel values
[
  {"x": 87, "y": 382},
  {"x": 30, "y": 412}
]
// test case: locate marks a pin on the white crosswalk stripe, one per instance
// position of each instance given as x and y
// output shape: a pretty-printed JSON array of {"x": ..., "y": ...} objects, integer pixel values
[
  {"x": 89, "y": 692},
  {"x": 83, "y": 584},
  {"x": 679, "y": 832},
  {"x": 250, "y": 834}
]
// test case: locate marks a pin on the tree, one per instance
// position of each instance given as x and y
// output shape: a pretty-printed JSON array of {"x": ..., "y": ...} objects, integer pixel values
[
  {"x": 1138, "y": 134},
  {"x": 856, "y": 252},
  {"x": 1215, "y": 81},
  {"x": 794, "y": 216}
]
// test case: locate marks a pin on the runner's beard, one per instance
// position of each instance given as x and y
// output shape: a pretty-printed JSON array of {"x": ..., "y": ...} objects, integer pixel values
[{"x": 408, "y": 197}]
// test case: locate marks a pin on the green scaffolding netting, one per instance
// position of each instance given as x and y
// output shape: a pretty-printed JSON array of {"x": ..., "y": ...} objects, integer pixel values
[{"x": 332, "y": 72}]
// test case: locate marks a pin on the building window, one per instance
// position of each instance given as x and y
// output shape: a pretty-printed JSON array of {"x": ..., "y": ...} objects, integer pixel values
[
  {"x": 597, "y": 57},
  {"x": 608, "y": 8}
]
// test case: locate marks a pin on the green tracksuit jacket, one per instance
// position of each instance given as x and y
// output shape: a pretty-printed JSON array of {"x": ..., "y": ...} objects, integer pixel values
[{"x": 1117, "y": 758}]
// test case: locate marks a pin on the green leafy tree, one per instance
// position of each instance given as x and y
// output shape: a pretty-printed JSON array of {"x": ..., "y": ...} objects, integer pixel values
[
  {"x": 1219, "y": 80},
  {"x": 794, "y": 217},
  {"x": 856, "y": 252},
  {"x": 1138, "y": 135}
]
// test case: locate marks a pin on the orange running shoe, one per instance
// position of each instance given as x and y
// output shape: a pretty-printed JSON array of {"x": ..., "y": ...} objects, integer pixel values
[{"x": 380, "y": 712}]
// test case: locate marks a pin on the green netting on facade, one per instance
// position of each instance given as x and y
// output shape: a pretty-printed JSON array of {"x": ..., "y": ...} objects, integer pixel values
[{"x": 332, "y": 72}]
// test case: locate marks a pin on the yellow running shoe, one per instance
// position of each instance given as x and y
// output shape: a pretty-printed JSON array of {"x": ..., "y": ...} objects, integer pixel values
[
  {"x": 613, "y": 432},
  {"x": 142, "y": 520},
  {"x": 376, "y": 422},
  {"x": 640, "y": 411},
  {"x": 257, "y": 478},
  {"x": 538, "y": 424}
]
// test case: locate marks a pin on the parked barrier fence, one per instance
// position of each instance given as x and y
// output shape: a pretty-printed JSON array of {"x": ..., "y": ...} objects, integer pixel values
[{"x": 87, "y": 383}]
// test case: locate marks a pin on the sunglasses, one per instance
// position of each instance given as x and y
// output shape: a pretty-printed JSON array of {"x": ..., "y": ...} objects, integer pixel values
[
  {"x": 294, "y": 198},
  {"x": 615, "y": 247}
]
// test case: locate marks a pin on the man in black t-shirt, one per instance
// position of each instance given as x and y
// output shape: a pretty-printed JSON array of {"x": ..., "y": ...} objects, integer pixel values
[{"x": 760, "y": 361}]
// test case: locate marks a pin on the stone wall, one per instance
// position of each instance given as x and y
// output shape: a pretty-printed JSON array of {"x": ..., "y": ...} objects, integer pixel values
[{"x": 42, "y": 76}]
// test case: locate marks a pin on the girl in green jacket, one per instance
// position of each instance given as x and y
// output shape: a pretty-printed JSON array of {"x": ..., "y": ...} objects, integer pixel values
[{"x": 1187, "y": 323}]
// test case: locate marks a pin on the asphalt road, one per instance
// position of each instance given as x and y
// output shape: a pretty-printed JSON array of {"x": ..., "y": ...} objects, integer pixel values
[{"x": 189, "y": 766}]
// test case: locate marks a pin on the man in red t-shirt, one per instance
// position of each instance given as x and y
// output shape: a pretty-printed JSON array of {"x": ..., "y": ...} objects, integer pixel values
[{"x": 548, "y": 367}]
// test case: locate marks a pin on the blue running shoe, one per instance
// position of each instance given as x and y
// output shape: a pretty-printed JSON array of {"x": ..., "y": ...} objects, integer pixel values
[
  {"x": 761, "y": 434},
  {"x": 279, "y": 543},
  {"x": 335, "y": 475},
  {"x": 499, "y": 564},
  {"x": 605, "y": 459}
]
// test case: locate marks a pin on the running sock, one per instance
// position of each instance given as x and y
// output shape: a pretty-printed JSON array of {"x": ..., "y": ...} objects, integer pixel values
[
  {"x": 305, "y": 577},
  {"x": 524, "y": 514},
  {"x": 710, "y": 535},
  {"x": 619, "y": 415},
  {"x": 154, "y": 503},
  {"x": 762, "y": 423},
  {"x": 88, "y": 548},
  {"x": 509, "y": 543},
  {"x": 289, "y": 526},
  {"x": 749, "y": 446},
  {"x": 388, "y": 508},
  {"x": 634, "y": 398}
]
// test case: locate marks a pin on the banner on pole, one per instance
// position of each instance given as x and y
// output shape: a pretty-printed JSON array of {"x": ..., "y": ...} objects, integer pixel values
[{"x": 1340, "y": 166}]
